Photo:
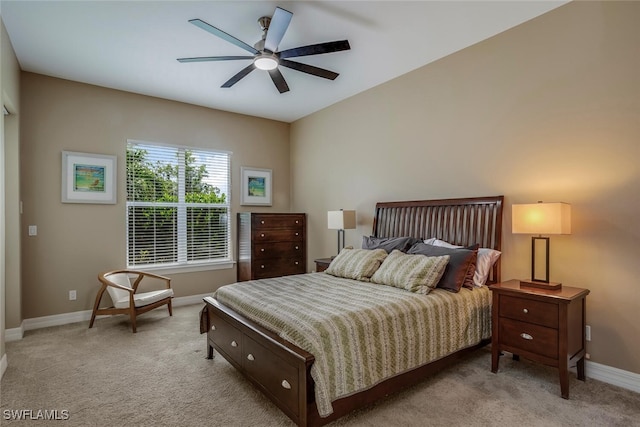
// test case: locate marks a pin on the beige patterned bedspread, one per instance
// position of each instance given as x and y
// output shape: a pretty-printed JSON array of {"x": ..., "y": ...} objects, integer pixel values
[{"x": 361, "y": 333}]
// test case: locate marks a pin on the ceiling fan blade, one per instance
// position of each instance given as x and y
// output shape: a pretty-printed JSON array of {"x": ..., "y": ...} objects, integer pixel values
[
  {"x": 278, "y": 80},
  {"x": 315, "y": 49},
  {"x": 217, "y": 32},
  {"x": 235, "y": 79},
  {"x": 309, "y": 69},
  {"x": 278, "y": 26},
  {"x": 213, "y": 58}
]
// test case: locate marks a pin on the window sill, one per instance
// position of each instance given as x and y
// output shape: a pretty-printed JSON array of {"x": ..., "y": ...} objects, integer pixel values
[{"x": 190, "y": 268}]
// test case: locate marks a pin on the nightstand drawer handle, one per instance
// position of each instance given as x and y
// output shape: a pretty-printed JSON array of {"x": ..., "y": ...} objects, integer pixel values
[
  {"x": 234, "y": 344},
  {"x": 250, "y": 357},
  {"x": 526, "y": 336},
  {"x": 213, "y": 327},
  {"x": 525, "y": 311},
  {"x": 286, "y": 384}
]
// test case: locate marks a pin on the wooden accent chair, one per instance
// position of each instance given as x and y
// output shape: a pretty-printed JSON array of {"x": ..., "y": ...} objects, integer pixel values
[{"x": 124, "y": 296}]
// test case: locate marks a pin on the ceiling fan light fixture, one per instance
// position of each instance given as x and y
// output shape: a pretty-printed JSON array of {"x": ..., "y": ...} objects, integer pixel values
[{"x": 265, "y": 61}]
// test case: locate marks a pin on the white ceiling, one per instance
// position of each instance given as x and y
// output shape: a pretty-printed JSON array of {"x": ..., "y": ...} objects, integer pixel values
[{"x": 133, "y": 45}]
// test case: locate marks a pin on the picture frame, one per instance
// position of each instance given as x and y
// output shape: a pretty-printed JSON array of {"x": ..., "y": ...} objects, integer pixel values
[
  {"x": 255, "y": 186},
  {"x": 89, "y": 178}
]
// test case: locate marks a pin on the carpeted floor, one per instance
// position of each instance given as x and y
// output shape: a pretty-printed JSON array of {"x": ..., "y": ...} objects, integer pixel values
[{"x": 107, "y": 376}]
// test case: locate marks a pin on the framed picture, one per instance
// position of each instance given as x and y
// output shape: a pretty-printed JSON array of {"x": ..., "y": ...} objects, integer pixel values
[
  {"x": 88, "y": 178},
  {"x": 256, "y": 186}
]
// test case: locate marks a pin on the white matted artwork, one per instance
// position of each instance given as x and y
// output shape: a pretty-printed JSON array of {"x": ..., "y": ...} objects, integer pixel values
[
  {"x": 255, "y": 186},
  {"x": 88, "y": 178}
]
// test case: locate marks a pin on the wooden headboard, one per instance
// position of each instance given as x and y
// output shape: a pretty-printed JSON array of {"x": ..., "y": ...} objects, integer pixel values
[{"x": 464, "y": 222}]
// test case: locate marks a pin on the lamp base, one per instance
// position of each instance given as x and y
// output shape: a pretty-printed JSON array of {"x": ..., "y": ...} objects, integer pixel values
[{"x": 552, "y": 286}]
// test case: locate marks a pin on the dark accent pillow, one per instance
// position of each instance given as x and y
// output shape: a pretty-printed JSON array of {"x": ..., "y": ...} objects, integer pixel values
[
  {"x": 389, "y": 244},
  {"x": 460, "y": 269}
]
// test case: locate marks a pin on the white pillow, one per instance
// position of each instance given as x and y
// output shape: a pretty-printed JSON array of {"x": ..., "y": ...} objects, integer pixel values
[{"x": 486, "y": 258}]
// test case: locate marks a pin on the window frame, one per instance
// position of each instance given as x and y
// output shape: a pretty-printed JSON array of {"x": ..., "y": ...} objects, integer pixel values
[{"x": 183, "y": 265}]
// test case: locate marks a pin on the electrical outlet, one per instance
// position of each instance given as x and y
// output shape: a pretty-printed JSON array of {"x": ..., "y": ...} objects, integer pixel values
[
  {"x": 587, "y": 333},
  {"x": 72, "y": 295}
]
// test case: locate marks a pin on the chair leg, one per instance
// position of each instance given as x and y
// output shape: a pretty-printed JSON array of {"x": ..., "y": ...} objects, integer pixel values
[
  {"x": 132, "y": 316},
  {"x": 170, "y": 309},
  {"x": 95, "y": 306}
]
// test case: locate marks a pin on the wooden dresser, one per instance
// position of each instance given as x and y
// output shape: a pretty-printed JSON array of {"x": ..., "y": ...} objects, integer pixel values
[
  {"x": 547, "y": 326},
  {"x": 271, "y": 245}
]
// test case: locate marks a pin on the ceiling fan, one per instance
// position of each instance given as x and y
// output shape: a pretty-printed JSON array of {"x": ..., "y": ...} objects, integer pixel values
[{"x": 265, "y": 54}]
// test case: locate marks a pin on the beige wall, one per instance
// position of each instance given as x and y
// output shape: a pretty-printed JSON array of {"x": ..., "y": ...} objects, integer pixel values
[
  {"x": 9, "y": 186},
  {"x": 549, "y": 110},
  {"x": 77, "y": 241}
]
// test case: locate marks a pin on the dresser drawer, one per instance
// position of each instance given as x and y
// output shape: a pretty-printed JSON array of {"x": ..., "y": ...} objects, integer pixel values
[
  {"x": 276, "y": 267},
  {"x": 276, "y": 221},
  {"x": 278, "y": 249},
  {"x": 226, "y": 337},
  {"x": 529, "y": 337},
  {"x": 531, "y": 311},
  {"x": 279, "y": 378},
  {"x": 277, "y": 235}
]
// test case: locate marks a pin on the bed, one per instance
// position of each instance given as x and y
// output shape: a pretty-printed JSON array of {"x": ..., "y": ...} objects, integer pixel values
[{"x": 277, "y": 356}]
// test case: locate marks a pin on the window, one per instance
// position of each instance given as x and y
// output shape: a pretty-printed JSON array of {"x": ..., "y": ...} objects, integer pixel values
[{"x": 178, "y": 211}]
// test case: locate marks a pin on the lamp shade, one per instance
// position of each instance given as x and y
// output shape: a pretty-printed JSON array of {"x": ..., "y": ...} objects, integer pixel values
[
  {"x": 341, "y": 220},
  {"x": 541, "y": 218}
]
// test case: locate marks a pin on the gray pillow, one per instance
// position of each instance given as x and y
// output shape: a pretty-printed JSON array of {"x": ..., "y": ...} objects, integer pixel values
[
  {"x": 389, "y": 244},
  {"x": 460, "y": 269}
]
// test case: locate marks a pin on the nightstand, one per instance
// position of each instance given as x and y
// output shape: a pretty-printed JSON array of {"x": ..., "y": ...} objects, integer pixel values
[
  {"x": 322, "y": 264},
  {"x": 546, "y": 326}
]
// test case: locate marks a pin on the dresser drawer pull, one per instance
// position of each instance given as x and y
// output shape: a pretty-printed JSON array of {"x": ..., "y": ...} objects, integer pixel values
[
  {"x": 297, "y": 234},
  {"x": 296, "y": 262},
  {"x": 526, "y": 336},
  {"x": 262, "y": 250},
  {"x": 525, "y": 311},
  {"x": 286, "y": 384},
  {"x": 213, "y": 327},
  {"x": 262, "y": 235},
  {"x": 234, "y": 344},
  {"x": 297, "y": 247},
  {"x": 250, "y": 357},
  {"x": 297, "y": 222},
  {"x": 261, "y": 222},
  {"x": 262, "y": 266}
]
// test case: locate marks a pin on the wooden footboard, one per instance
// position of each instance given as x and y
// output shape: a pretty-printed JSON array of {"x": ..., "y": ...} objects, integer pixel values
[{"x": 278, "y": 368}]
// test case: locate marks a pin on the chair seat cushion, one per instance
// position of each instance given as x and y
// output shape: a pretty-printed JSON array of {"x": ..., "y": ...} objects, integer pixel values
[{"x": 144, "y": 298}]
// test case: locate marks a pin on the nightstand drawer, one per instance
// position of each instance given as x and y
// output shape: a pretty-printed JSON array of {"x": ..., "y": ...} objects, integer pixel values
[
  {"x": 528, "y": 337},
  {"x": 531, "y": 311}
]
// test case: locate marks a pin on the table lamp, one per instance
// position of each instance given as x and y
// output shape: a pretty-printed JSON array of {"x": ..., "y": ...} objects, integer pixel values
[
  {"x": 541, "y": 218},
  {"x": 341, "y": 220}
]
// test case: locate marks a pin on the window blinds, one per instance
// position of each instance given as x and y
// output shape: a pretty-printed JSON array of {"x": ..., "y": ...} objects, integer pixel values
[{"x": 178, "y": 207}]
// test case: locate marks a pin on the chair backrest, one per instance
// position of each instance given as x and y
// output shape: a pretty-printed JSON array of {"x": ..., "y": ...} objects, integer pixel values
[{"x": 121, "y": 279}]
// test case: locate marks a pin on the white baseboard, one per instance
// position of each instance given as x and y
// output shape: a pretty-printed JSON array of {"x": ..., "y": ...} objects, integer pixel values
[
  {"x": 3, "y": 365},
  {"x": 79, "y": 316},
  {"x": 611, "y": 375},
  {"x": 14, "y": 334}
]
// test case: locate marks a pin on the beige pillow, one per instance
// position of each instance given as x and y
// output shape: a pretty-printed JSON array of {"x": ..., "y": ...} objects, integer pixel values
[
  {"x": 415, "y": 273},
  {"x": 357, "y": 264}
]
